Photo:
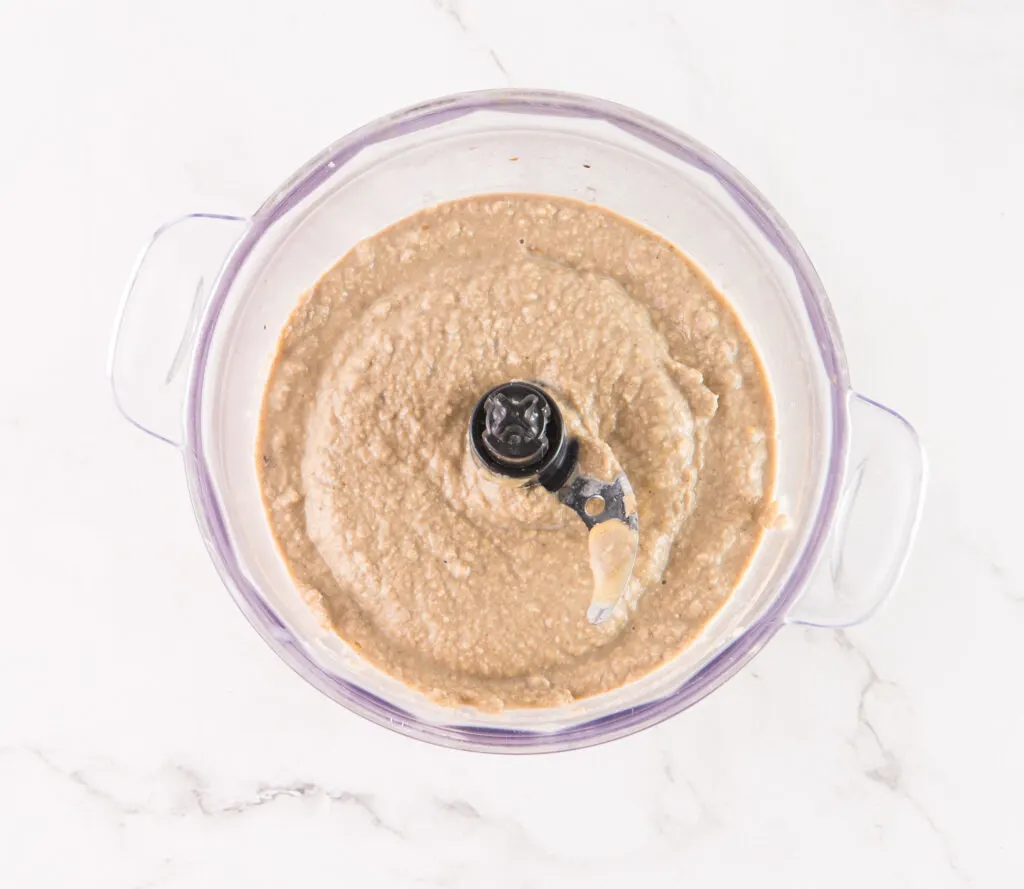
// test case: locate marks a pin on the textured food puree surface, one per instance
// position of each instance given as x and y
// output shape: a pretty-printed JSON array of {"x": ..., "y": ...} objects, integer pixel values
[{"x": 474, "y": 592}]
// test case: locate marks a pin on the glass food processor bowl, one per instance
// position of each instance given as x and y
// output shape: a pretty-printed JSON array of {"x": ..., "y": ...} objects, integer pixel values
[{"x": 210, "y": 293}]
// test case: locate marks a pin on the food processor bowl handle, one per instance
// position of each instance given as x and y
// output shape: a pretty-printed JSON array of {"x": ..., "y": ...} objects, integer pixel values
[
  {"x": 159, "y": 316},
  {"x": 875, "y": 523}
]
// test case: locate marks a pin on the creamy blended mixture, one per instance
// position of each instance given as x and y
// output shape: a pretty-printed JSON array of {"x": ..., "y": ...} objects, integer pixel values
[{"x": 472, "y": 591}]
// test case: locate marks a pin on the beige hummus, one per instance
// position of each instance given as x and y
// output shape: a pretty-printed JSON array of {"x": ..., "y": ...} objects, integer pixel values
[{"x": 476, "y": 592}]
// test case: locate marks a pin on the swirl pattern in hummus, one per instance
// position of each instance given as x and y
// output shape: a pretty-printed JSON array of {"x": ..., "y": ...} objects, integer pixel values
[{"x": 471, "y": 591}]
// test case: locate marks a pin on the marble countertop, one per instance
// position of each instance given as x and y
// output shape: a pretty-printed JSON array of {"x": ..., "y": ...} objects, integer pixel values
[{"x": 148, "y": 738}]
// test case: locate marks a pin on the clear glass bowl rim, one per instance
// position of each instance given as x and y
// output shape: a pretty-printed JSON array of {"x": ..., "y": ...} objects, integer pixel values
[{"x": 209, "y": 515}]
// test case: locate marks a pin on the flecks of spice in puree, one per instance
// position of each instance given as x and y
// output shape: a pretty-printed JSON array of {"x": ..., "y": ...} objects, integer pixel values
[{"x": 474, "y": 592}]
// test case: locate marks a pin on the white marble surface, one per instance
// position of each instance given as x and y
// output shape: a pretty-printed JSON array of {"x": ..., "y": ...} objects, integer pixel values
[{"x": 147, "y": 736}]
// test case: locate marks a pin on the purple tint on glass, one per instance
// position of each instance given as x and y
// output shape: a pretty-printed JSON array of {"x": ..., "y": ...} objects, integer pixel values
[{"x": 726, "y": 662}]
